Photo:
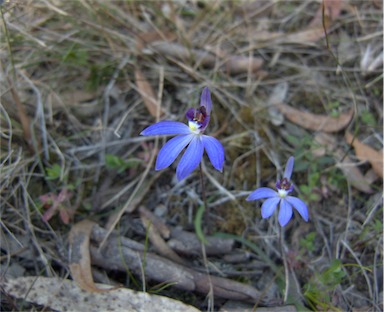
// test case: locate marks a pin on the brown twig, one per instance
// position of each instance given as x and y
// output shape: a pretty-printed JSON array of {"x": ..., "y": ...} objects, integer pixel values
[{"x": 117, "y": 256}]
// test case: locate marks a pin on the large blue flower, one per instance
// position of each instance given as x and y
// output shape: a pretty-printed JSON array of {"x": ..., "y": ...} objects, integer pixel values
[
  {"x": 284, "y": 187},
  {"x": 191, "y": 136}
]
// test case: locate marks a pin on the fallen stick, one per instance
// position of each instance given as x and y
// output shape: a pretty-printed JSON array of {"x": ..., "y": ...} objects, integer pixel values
[{"x": 117, "y": 255}]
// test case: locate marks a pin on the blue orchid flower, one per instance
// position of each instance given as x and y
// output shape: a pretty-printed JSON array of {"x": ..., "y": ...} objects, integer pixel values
[
  {"x": 284, "y": 187},
  {"x": 191, "y": 136}
]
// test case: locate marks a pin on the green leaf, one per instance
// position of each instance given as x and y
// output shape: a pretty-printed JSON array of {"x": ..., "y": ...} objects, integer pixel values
[
  {"x": 314, "y": 178},
  {"x": 314, "y": 197},
  {"x": 333, "y": 275},
  {"x": 334, "y": 105},
  {"x": 54, "y": 172},
  {"x": 305, "y": 189},
  {"x": 308, "y": 242},
  {"x": 294, "y": 140},
  {"x": 76, "y": 56},
  {"x": 378, "y": 226},
  {"x": 334, "y": 114},
  {"x": 119, "y": 164},
  {"x": 368, "y": 118},
  {"x": 198, "y": 225}
]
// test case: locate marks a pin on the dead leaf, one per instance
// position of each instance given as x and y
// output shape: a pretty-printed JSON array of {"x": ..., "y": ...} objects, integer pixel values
[
  {"x": 243, "y": 64},
  {"x": 353, "y": 174},
  {"x": 80, "y": 261},
  {"x": 265, "y": 38},
  {"x": 160, "y": 226},
  {"x": 314, "y": 121},
  {"x": 146, "y": 38},
  {"x": 232, "y": 64},
  {"x": 65, "y": 295},
  {"x": 180, "y": 52},
  {"x": 313, "y": 32},
  {"x": 147, "y": 93},
  {"x": 350, "y": 170},
  {"x": 366, "y": 153},
  {"x": 371, "y": 176},
  {"x": 158, "y": 242},
  {"x": 329, "y": 9},
  {"x": 278, "y": 95},
  {"x": 304, "y": 36}
]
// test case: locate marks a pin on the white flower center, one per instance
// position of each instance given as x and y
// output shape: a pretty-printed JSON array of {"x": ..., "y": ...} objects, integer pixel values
[
  {"x": 282, "y": 193},
  {"x": 194, "y": 127}
]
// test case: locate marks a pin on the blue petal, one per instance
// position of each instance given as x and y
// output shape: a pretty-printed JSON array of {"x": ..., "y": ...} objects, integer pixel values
[
  {"x": 285, "y": 212},
  {"x": 166, "y": 128},
  {"x": 191, "y": 158},
  {"x": 269, "y": 206},
  {"x": 206, "y": 100},
  {"x": 170, "y": 151},
  {"x": 289, "y": 168},
  {"x": 300, "y": 206},
  {"x": 215, "y": 151},
  {"x": 261, "y": 193}
]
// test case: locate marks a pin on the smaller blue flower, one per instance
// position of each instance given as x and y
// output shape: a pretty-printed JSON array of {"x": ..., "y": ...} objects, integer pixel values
[
  {"x": 191, "y": 136},
  {"x": 284, "y": 187}
]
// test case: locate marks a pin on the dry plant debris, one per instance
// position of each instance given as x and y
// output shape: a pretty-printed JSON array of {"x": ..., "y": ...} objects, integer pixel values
[
  {"x": 80, "y": 260},
  {"x": 366, "y": 153},
  {"x": 80, "y": 80},
  {"x": 316, "y": 122}
]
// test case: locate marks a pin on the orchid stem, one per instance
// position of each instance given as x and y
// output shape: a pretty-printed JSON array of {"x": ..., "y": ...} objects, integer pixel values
[
  {"x": 283, "y": 251},
  {"x": 206, "y": 216}
]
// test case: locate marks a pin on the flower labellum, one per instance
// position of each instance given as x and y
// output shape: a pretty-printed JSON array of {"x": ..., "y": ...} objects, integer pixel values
[{"x": 190, "y": 136}]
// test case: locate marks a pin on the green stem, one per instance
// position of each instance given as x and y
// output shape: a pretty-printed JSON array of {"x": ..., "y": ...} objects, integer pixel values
[
  {"x": 206, "y": 210},
  {"x": 284, "y": 258},
  {"x": 8, "y": 44}
]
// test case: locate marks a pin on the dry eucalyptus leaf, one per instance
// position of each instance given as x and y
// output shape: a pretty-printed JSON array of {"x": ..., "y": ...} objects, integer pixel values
[
  {"x": 371, "y": 176},
  {"x": 316, "y": 122},
  {"x": 80, "y": 261},
  {"x": 157, "y": 222},
  {"x": 146, "y": 38},
  {"x": 354, "y": 175},
  {"x": 157, "y": 240},
  {"x": 147, "y": 93},
  {"x": 180, "y": 52},
  {"x": 304, "y": 36},
  {"x": 277, "y": 96},
  {"x": 350, "y": 170},
  {"x": 331, "y": 10},
  {"x": 366, "y": 153},
  {"x": 328, "y": 11},
  {"x": 233, "y": 64},
  {"x": 65, "y": 295},
  {"x": 243, "y": 64}
]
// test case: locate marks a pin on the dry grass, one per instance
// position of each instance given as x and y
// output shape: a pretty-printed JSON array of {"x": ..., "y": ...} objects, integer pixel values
[{"x": 70, "y": 103}]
